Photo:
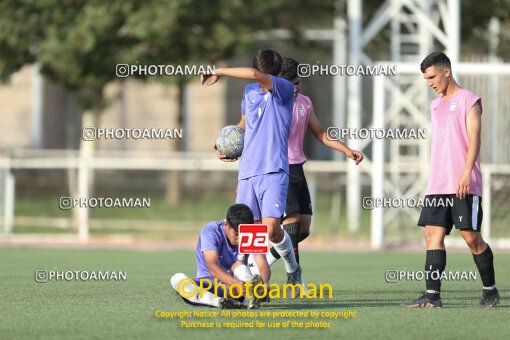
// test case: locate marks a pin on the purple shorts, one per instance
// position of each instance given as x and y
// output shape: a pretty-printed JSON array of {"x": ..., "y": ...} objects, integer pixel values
[{"x": 264, "y": 194}]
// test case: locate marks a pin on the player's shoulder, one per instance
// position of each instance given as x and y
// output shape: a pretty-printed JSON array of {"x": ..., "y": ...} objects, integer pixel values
[
  {"x": 282, "y": 82},
  {"x": 469, "y": 93},
  {"x": 301, "y": 98},
  {"x": 471, "y": 99},
  {"x": 212, "y": 227}
]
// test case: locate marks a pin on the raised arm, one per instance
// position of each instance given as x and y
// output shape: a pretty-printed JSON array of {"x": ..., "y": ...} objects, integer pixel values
[{"x": 263, "y": 79}]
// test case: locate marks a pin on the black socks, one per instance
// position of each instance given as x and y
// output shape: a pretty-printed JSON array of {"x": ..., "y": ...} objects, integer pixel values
[
  {"x": 435, "y": 263},
  {"x": 485, "y": 264}
]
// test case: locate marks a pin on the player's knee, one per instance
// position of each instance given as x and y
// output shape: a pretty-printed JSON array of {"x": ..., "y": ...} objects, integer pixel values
[
  {"x": 292, "y": 218},
  {"x": 428, "y": 235},
  {"x": 306, "y": 221},
  {"x": 433, "y": 238},
  {"x": 275, "y": 234},
  {"x": 475, "y": 242}
]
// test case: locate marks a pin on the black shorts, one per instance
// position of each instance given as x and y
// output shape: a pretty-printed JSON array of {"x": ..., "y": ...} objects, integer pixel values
[
  {"x": 465, "y": 213},
  {"x": 298, "y": 196}
]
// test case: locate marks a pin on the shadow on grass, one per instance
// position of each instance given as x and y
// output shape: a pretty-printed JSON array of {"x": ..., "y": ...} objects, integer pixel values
[{"x": 388, "y": 299}]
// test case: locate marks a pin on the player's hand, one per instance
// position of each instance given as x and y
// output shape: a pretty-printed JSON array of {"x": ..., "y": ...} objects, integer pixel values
[
  {"x": 223, "y": 157},
  {"x": 464, "y": 185},
  {"x": 355, "y": 155},
  {"x": 239, "y": 288},
  {"x": 209, "y": 79}
]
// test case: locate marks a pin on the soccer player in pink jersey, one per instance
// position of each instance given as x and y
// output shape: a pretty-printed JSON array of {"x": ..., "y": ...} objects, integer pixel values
[
  {"x": 454, "y": 176},
  {"x": 298, "y": 210}
]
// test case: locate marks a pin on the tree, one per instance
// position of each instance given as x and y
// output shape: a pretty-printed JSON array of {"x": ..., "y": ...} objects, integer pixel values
[{"x": 78, "y": 43}]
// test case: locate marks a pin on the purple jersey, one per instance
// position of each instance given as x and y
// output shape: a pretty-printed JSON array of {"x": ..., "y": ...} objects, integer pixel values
[
  {"x": 212, "y": 237},
  {"x": 268, "y": 118}
]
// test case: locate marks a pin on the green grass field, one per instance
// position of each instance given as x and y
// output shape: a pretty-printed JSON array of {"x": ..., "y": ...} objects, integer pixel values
[{"x": 125, "y": 309}]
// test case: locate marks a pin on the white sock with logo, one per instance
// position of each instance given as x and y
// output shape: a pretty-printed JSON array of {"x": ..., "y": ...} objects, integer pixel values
[
  {"x": 252, "y": 265},
  {"x": 284, "y": 248}
]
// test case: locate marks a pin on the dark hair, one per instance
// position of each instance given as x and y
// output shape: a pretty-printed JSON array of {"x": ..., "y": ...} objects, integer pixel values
[
  {"x": 436, "y": 58},
  {"x": 268, "y": 61},
  {"x": 289, "y": 68},
  {"x": 239, "y": 214}
]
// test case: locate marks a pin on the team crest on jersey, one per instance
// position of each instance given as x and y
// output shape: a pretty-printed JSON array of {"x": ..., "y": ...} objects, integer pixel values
[
  {"x": 302, "y": 111},
  {"x": 453, "y": 105}
]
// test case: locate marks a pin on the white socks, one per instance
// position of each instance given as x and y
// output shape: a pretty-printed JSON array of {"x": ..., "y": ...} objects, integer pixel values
[
  {"x": 270, "y": 258},
  {"x": 284, "y": 248},
  {"x": 187, "y": 287},
  {"x": 252, "y": 265},
  {"x": 242, "y": 273}
]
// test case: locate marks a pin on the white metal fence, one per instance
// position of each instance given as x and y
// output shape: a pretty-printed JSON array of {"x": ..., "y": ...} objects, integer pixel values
[
  {"x": 495, "y": 187},
  {"x": 84, "y": 169}
]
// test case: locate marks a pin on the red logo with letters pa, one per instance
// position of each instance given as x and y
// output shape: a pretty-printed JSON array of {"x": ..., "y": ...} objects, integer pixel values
[{"x": 253, "y": 239}]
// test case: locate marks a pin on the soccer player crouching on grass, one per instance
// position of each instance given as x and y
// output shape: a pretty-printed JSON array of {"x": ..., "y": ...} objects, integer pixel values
[
  {"x": 298, "y": 209},
  {"x": 218, "y": 259},
  {"x": 266, "y": 110},
  {"x": 454, "y": 175}
]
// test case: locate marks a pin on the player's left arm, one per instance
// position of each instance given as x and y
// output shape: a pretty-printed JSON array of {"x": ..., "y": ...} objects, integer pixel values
[
  {"x": 263, "y": 266},
  {"x": 242, "y": 122},
  {"x": 213, "y": 264},
  {"x": 262, "y": 78},
  {"x": 474, "y": 128},
  {"x": 322, "y": 136}
]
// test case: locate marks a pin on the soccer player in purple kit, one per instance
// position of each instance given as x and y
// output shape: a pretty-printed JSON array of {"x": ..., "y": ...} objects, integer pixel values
[
  {"x": 298, "y": 210},
  {"x": 266, "y": 110},
  {"x": 455, "y": 174},
  {"x": 217, "y": 258}
]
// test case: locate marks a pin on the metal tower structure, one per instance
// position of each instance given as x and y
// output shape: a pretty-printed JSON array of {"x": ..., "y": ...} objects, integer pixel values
[{"x": 417, "y": 28}]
